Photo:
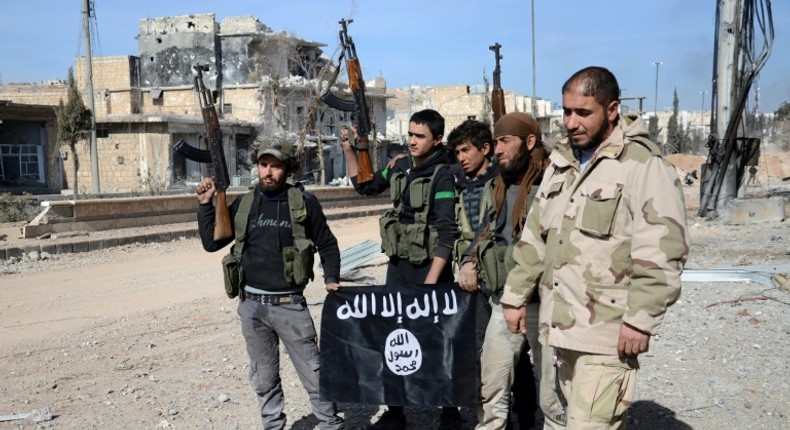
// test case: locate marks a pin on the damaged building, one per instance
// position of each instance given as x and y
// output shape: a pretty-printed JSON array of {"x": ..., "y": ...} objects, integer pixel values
[{"x": 264, "y": 84}]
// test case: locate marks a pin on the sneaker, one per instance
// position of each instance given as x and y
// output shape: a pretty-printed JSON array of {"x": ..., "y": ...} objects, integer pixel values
[
  {"x": 450, "y": 419},
  {"x": 390, "y": 420}
]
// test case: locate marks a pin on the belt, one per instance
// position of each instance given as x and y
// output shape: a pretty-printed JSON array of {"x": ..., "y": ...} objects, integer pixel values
[{"x": 269, "y": 299}]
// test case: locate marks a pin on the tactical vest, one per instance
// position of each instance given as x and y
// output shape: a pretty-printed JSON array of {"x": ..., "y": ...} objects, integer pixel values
[
  {"x": 297, "y": 259},
  {"x": 495, "y": 260},
  {"x": 413, "y": 242},
  {"x": 466, "y": 232}
]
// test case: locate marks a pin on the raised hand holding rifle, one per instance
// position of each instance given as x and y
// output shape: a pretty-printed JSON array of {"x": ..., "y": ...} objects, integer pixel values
[
  {"x": 219, "y": 184},
  {"x": 359, "y": 106},
  {"x": 497, "y": 95}
]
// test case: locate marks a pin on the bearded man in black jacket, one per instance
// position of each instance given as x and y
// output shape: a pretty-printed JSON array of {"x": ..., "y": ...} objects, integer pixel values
[{"x": 272, "y": 307}]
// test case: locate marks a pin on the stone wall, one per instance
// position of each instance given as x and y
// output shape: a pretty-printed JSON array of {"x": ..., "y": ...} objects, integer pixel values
[
  {"x": 456, "y": 103},
  {"x": 132, "y": 158},
  {"x": 242, "y": 25},
  {"x": 171, "y": 101},
  {"x": 170, "y": 46},
  {"x": 243, "y": 103},
  {"x": 35, "y": 94},
  {"x": 115, "y": 84}
]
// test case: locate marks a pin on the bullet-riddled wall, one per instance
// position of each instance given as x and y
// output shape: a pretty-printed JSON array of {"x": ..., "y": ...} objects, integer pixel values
[{"x": 170, "y": 46}]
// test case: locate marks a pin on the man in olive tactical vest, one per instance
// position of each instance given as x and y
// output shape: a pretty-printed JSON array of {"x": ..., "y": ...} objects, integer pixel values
[
  {"x": 277, "y": 228},
  {"x": 605, "y": 243},
  {"x": 473, "y": 146},
  {"x": 418, "y": 233},
  {"x": 522, "y": 159}
]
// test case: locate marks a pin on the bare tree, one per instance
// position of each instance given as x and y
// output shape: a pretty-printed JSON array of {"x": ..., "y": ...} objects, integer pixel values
[
  {"x": 487, "y": 113},
  {"x": 293, "y": 75}
]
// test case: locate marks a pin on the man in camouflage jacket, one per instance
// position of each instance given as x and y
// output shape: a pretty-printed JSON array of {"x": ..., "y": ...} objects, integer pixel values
[{"x": 605, "y": 243}]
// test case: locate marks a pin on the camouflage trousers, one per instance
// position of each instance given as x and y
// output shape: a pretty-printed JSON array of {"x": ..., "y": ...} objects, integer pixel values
[{"x": 595, "y": 389}]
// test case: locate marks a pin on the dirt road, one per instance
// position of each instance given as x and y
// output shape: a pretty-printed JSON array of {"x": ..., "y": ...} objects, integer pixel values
[
  {"x": 102, "y": 337},
  {"x": 143, "y": 337}
]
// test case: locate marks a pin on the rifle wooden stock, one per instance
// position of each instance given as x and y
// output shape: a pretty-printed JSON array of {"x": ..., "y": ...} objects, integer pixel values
[
  {"x": 354, "y": 73},
  {"x": 360, "y": 105},
  {"x": 364, "y": 165},
  {"x": 223, "y": 228},
  {"x": 498, "y": 104}
]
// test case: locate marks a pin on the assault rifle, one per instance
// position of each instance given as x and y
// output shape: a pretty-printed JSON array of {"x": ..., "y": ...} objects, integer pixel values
[
  {"x": 215, "y": 154},
  {"x": 359, "y": 105},
  {"x": 497, "y": 95}
]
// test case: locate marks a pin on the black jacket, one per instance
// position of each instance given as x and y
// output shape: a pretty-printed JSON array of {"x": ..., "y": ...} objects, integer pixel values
[
  {"x": 268, "y": 231},
  {"x": 441, "y": 212}
]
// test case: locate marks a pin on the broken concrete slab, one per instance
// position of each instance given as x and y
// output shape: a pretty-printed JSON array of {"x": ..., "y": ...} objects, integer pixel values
[
  {"x": 769, "y": 279},
  {"x": 750, "y": 211}
]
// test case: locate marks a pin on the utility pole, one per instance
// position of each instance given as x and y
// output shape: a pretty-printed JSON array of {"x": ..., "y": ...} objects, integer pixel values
[
  {"x": 534, "y": 93},
  {"x": 86, "y": 28},
  {"x": 737, "y": 66},
  {"x": 718, "y": 182},
  {"x": 702, "y": 115},
  {"x": 655, "y": 101}
]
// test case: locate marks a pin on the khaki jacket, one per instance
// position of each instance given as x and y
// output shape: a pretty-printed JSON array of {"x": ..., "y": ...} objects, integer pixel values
[{"x": 605, "y": 246}]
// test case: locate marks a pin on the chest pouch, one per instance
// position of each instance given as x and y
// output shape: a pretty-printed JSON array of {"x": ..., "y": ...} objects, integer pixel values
[
  {"x": 413, "y": 242},
  {"x": 495, "y": 261},
  {"x": 298, "y": 259},
  {"x": 389, "y": 223},
  {"x": 389, "y": 228},
  {"x": 232, "y": 270},
  {"x": 232, "y": 273},
  {"x": 397, "y": 185},
  {"x": 465, "y": 232}
]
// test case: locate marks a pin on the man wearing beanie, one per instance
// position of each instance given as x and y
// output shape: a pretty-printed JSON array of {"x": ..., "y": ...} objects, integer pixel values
[
  {"x": 522, "y": 159},
  {"x": 267, "y": 223}
]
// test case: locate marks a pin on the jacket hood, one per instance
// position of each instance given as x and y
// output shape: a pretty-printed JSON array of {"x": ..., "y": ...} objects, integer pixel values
[
  {"x": 633, "y": 125},
  {"x": 439, "y": 156},
  {"x": 627, "y": 129}
]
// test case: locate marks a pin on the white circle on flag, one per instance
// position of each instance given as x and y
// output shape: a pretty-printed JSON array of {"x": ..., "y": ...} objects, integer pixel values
[{"x": 402, "y": 352}]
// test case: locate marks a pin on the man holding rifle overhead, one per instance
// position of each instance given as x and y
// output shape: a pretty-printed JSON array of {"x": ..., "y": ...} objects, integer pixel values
[{"x": 277, "y": 227}]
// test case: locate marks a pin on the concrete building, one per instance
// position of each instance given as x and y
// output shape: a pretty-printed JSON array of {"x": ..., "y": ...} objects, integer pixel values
[
  {"x": 264, "y": 84},
  {"x": 456, "y": 103},
  {"x": 28, "y": 157}
]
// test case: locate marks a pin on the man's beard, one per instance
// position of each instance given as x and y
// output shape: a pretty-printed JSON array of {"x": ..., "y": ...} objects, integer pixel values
[
  {"x": 269, "y": 188},
  {"x": 595, "y": 140},
  {"x": 516, "y": 169}
]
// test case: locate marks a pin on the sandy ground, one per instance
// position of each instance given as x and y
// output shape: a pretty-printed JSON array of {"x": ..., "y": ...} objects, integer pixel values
[{"x": 143, "y": 337}]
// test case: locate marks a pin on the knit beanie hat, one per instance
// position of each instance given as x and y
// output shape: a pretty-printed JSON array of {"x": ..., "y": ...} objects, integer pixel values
[{"x": 517, "y": 124}]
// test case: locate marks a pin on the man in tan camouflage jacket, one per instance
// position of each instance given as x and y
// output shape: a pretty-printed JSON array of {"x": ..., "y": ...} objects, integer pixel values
[{"x": 605, "y": 243}]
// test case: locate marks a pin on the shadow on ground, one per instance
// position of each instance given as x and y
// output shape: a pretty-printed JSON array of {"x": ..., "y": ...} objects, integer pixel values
[
  {"x": 359, "y": 417},
  {"x": 648, "y": 415}
]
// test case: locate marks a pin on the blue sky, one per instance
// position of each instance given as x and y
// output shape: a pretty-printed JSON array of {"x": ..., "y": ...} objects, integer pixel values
[{"x": 432, "y": 42}]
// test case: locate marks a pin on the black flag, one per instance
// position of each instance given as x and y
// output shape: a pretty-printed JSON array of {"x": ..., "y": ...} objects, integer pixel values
[{"x": 399, "y": 345}]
